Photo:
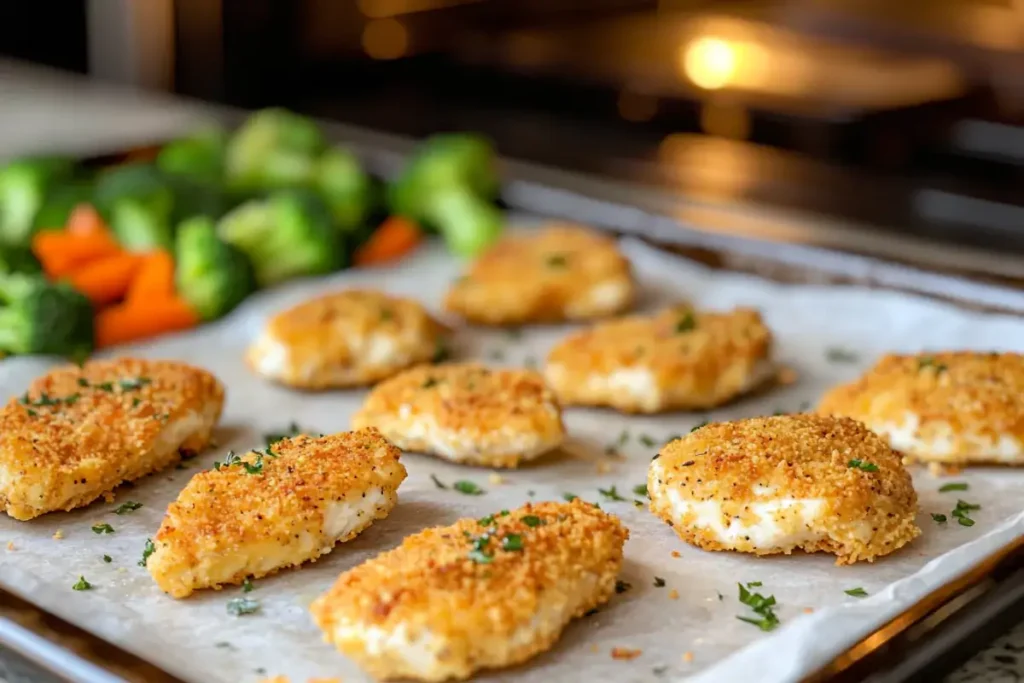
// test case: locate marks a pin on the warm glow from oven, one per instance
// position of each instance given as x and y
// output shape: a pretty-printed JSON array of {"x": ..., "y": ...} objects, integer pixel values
[
  {"x": 385, "y": 39},
  {"x": 710, "y": 62}
]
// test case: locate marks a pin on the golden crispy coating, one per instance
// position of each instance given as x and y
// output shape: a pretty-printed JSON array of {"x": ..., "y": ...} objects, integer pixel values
[
  {"x": 476, "y": 595},
  {"x": 466, "y": 413},
  {"x": 562, "y": 272},
  {"x": 79, "y": 432},
  {"x": 344, "y": 339},
  {"x": 678, "y": 359},
  {"x": 274, "y": 509},
  {"x": 956, "y": 407},
  {"x": 776, "y": 484}
]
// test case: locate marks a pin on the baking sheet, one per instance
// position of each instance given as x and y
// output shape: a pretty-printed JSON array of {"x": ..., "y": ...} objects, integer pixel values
[{"x": 693, "y": 637}]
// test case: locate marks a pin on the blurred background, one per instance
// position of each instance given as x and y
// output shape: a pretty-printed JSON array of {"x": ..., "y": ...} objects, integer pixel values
[{"x": 902, "y": 117}]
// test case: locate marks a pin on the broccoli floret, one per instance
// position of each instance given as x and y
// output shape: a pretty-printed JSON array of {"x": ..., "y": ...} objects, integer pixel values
[
  {"x": 287, "y": 235},
  {"x": 450, "y": 185},
  {"x": 273, "y": 149},
  {"x": 14, "y": 259},
  {"x": 39, "y": 317},
  {"x": 348, "y": 190},
  {"x": 137, "y": 201},
  {"x": 59, "y": 203},
  {"x": 23, "y": 187},
  {"x": 199, "y": 156},
  {"x": 210, "y": 274}
]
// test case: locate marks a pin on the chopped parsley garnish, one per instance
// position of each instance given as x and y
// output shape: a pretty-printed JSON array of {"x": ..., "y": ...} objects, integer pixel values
[
  {"x": 254, "y": 467},
  {"x": 126, "y": 507},
  {"x": 512, "y": 542},
  {"x": 557, "y": 260},
  {"x": 31, "y": 413},
  {"x": 429, "y": 382},
  {"x": 862, "y": 465},
  {"x": 530, "y": 363},
  {"x": 148, "y": 550},
  {"x": 134, "y": 383},
  {"x": 108, "y": 559},
  {"x": 569, "y": 497},
  {"x": 441, "y": 353},
  {"x": 954, "y": 486},
  {"x": 514, "y": 333},
  {"x": 104, "y": 386},
  {"x": 658, "y": 582},
  {"x": 532, "y": 521},
  {"x": 239, "y": 606},
  {"x": 103, "y": 528},
  {"x": 930, "y": 362},
  {"x": 857, "y": 592},
  {"x": 687, "y": 323},
  {"x": 611, "y": 493},
  {"x": 754, "y": 584},
  {"x": 531, "y": 493},
  {"x": 622, "y": 586},
  {"x": 962, "y": 510},
  {"x": 941, "y": 519},
  {"x": 702, "y": 423},
  {"x": 720, "y": 596},
  {"x": 437, "y": 482},
  {"x": 83, "y": 382},
  {"x": 136, "y": 401},
  {"x": 647, "y": 440},
  {"x": 273, "y": 437},
  {"x": 835, "y": 354},
  {"x": 247, "y": 585},
  {"x": 762, "y": 606},
  {"x": 386, "y": 314},
  {"x": 467, "y": 488},
  {"x": 230, "y": 459},
  {"x": 659, "y": 670},
  {"x": 480, "y": 557},
  {"x": 82, "y": 585},
  {"x": 640, "y": 489}
]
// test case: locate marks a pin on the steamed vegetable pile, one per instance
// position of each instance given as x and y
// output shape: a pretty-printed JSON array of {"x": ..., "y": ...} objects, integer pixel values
[{"x": 95, "y": 257}]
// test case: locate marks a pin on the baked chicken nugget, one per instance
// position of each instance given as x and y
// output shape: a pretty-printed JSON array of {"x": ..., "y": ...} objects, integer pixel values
[
  {"x": 562, "y": 272},
  {"x": 479, "y": 594},
  {"x": 957, "y": 408},
  {"x": 79, "y": 432},
  {"x": 778, "y": 484},
  {"x": 678, "y": 359},
  {"x": 345, "y": 339},
  {"x": 466, "y": 413},
  {"x": 266, "y": 510}
]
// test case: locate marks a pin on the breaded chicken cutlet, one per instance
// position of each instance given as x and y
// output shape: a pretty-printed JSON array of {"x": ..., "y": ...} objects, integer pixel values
[
  {"x": 78, "y": 432},
  {"x": 466, "y": 413},
  {"x": 561, "y": 272},
  {"x": 479, "y": 594},
  {"x": 345, "y": 339},
  {"x": 957, "y": 408},
  {"x": 268, "y": 510},
  {"x": 678, "y": 359},
  {"x": 778, "y": 484}
]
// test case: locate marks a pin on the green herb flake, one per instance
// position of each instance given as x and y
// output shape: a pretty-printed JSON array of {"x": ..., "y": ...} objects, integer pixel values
[
  {"x": 754, "y": 584},
  {"x": 640, "y": 490},
  {"x": 83, "y": 382},
  {"x": 862, "y": 465},
  {"x": 557, "y": 260},
  {"x": 659, "y": 582},
  {"x": 512, "y": 542},
  {"x": 486, "y": 521},
  {"x": 147, "y": 550},
  {"x": 480, "y": 557},
  {"x": 82, "y": 585},
  {"x": 569, "y": 497},
  {"x": 104, "y": 386},
  {"x": 930, "y": 362},
  {"x": 254, "y": 467},
  {"x": 720, "y": 596},
  {"x": 273, "y": 437},
  {"x": 941, "y": 519},
  {"x": 241, "y": 606},
  {"x": 531, "y": 493},
  {"x": 247, "y": 586},
  {"x": 103, "y": 528},
  {"x": 962, "y": 512},
  {"x": 441, "y": 353},
  {"x": 31, "y": 413},
  {"x": 762, "y": 606},
  {"x": 468, "y": 488},
  {"x": 702, "y": 423},
  {"x": 647, "y": 440},
  {"x": 429, "y": 382},
  {"x": 437, "y": 482},
  {"x": 134, "y": 383},
  {"x": 108, "y": 559},
  {"x": 659, "y": 670},
  {"x": 126, "y": 507},
  {"x": 612, "y": 494},
  {"x": 954, "y": 486},
  {"x": 622, "y": 586},
  {"x": 857, "y": 592},
  {"x": 533, "y": 521},
  {"x": 136, "y": 401},
  {"x": 686, "y": 324},
  {"x": 838, "y": 355}
]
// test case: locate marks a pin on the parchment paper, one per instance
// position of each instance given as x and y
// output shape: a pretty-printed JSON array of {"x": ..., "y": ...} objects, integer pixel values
[{"x": 695, "y": 636}]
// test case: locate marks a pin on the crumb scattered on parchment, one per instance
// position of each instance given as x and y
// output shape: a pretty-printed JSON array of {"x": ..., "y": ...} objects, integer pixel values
[
  {"x": 603, "y": 467},
  {"x": 675, "y": 553},
  {"x": 687, "y": 656},
  {"x": 938, "y": 469},
  {"x": 122, "y": 570},
  {"x": 10, "y": 545},
  {"x": 808, "y": 610},
  {"x": 58, "y": 534},
  {"x": 496, "y": 479},
  {"x": 594, "y": 647},
  {"x": 673, "y": 594},
  {"x": 625, "y": 653},
  {"x": 787, "y": 376},
  {"x": 907, "y": 461}
]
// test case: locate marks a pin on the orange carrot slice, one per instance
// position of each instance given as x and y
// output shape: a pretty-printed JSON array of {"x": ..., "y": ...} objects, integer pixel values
[
  {"x": 86, "y": 220},
  {"x": 394, "y": 238},
  {"x": 107, "y": 279},
  {"x": 133, "y": 321},
  {"x": 154, "y": 279},
  {"x": 61, "y": 252}
]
